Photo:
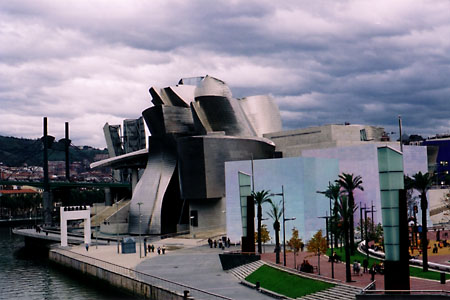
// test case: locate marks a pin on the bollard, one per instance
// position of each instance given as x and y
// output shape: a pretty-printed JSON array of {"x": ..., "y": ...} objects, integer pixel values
[
  {"x": 185, "y": 294},
  {"x": 257, "y": 285},
  {"x": 442, "y": 278}
]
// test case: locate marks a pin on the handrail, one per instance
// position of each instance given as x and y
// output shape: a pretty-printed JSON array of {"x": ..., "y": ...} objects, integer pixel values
[
  {"x": 140, "y": 276},
  {"x": 369, "y": 287},
  {"x": 406, "y": 291}
]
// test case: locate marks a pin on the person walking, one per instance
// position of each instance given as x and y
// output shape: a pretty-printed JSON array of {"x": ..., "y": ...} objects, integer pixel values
[{"x": 365, "y": 265}]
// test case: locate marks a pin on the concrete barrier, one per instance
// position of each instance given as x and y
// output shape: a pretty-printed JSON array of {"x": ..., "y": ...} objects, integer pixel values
[{"x": 133, "y": 285}]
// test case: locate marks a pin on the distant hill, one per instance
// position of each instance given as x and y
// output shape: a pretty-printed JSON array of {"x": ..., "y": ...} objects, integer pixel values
[{"x": 15, "y": 152}]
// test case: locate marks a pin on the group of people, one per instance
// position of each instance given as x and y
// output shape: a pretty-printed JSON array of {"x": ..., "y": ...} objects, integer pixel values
[
  {"x": 306, "y": 267},
  {"x": 151, "y": 248},
  {"x": 222, "y": 243},
  {"x": 357, "y": 267}
]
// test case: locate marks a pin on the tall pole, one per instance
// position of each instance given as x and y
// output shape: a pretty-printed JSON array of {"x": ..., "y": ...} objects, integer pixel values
[
  {"x": 66, "y": 150},
  {"x": 253, "y": 178},
  {"x": 96, "y": 228},
  {"x": 373, "y": 221},
  {"x": 46, "y": 195},
  {"x": 140, "y": 245},
  {"x": 367, "y": 235},
  {"x": 400, "y": 131},
  {"x": 117, "y": 225},
  {"x": 331, "y": 240},
  {"x": 361, "y": 222},
  {"x": 284, "y": 228}
]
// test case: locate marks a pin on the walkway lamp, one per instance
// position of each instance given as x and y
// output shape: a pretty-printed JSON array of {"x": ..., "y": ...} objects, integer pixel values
[
  {"x": 284, "y": 223},
  {"x": 140, "y": 246},
  {"x": 117, "y": 225}
]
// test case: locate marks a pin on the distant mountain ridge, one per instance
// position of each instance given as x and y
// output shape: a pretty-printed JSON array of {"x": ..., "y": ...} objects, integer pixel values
[{"x": 15, "y": 152}]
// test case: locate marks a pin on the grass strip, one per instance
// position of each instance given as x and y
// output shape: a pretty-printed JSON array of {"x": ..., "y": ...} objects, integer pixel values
[
  {"x": 413, "y": 271},
  {"x": 285, "y": 283}
]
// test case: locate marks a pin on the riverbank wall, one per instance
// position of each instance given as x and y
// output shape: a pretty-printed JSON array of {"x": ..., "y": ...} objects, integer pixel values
[{"x": 120, "y": 277}]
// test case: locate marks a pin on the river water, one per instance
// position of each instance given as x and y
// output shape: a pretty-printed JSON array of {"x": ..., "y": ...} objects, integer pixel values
[{"x": 25, "y": 274}]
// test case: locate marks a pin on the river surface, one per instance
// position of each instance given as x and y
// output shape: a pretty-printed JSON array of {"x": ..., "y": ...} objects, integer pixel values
[{"x": 25, "y": 274}]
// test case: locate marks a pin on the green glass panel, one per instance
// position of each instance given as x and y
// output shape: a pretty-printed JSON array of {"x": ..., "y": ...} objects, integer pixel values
[
  {"x": 390, "y": 165},
  {"x": 245, "y": 189}
]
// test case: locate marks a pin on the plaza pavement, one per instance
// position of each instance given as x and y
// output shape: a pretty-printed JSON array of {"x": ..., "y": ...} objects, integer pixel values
[
  {"x": 186, "y": 261},
  {"x": 363, "y": 279},
  {"x": 191, "y": 262}
]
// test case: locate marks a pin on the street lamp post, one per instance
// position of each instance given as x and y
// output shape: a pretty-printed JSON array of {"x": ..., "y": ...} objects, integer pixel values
[
  {"x": 284, "y": 225},
  {"x": 117, "y": 226},
  {"x": 140, "y": 245},
  {"x": 366, "y": 230},
  {"x": 331, "y": 240},
  {"x": 96, "y": 228}
]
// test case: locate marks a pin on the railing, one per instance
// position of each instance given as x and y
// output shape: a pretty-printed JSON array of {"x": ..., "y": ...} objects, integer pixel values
[
  {"x": 406, "y": 292},
  {"x": 143, "y": 277},
  {"x": 370, "y": 287}
]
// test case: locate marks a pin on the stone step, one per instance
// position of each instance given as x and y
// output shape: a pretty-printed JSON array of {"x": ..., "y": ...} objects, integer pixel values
[{"x": 243, "y": 271}]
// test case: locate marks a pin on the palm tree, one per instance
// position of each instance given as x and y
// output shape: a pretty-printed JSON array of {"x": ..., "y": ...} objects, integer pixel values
[
  {"x": 422, "y": 183},
  {"x": 260, "y": 198},
  {"x": 333, "y": 192},
  {"x": 345, "y": 212},
  {"x": 349, "y": 183},
  {"x": 275, "y": 213}
]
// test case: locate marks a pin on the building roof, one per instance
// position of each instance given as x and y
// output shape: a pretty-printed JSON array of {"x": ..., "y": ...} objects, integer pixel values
[{"x": 22, "y": 191}]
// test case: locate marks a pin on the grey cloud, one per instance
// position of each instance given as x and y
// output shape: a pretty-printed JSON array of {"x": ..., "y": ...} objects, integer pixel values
[{"x": 324, "y": 62}]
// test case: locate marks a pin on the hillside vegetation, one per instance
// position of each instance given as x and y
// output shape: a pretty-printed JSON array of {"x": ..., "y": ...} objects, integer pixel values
[{"x": 15, "y": 152}]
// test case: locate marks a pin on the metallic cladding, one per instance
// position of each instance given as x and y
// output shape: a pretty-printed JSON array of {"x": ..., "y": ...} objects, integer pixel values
[
  {"x": 162, "y": 120},
  {"x": 151, "y": 188},
  {"x": 202, "y": 162},
  {"x": 222, "y": 114},
  {"x": 255, "y": 107}
]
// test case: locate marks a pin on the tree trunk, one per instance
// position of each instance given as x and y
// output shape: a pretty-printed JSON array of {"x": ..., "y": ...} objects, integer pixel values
[
  {"x": 424, "y": 239},
  {"x": 351, "y": 204},
  {"x": 276, "y": 226},
  {"x": 348, "y": 274},
  {"x": 259, "y": 228}
]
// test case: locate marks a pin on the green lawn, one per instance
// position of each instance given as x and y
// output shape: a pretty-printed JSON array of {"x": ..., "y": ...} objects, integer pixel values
[
  {"x": 285, "y": 283},
  {"x": 417, "y": 272},
  {"x": 413, "y": 271}
]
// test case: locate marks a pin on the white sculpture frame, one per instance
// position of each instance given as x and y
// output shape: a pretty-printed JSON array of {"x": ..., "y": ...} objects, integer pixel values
[{"x": 74, "y": 214}]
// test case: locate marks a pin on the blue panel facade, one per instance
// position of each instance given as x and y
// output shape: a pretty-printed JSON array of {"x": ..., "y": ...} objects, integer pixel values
[
  {"x": 443, "y": 157},
  {"x": 301, "y": 178}
]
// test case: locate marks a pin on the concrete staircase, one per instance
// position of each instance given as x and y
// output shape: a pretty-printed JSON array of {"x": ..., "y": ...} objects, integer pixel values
[
  {"x": 243, "y": 271},
  {"x": 341, "y": 292}
]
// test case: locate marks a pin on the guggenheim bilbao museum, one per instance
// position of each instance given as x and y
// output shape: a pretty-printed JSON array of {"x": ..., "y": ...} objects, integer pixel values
[{"x": 186, "y": 180}]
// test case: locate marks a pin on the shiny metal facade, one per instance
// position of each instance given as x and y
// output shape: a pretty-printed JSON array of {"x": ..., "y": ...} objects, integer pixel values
[
  {"x": 151, "y": 188},
  {"x": 262, "y": 105},
  {"x": 195, "y": 129}
]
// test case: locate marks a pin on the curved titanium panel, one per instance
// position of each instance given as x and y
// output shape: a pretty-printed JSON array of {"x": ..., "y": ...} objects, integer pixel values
[
  {"x": 202, "y": 161},
  {"x": 262, "y": 113},
  {"x": 218, "y": 111},
  {"x": 181, "y": 95},
  {"x": 162, "y": 120},
  {"x": 151, "y": 188}
]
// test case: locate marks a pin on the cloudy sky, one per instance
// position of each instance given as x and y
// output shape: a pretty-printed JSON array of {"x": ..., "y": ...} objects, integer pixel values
[{"x": 91, "y": 62}]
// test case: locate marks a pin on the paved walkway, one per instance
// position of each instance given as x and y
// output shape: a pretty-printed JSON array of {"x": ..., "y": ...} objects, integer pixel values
[
  {"x": 199, "y": 267},
  {"x": 185, "y": 261}
]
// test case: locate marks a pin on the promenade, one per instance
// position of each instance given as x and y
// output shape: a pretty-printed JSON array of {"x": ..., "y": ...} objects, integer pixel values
[
  {"x": 191, "y": 262},
  {"x": 364, "y": 278},
  {"x": 186, "y": 261}
]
